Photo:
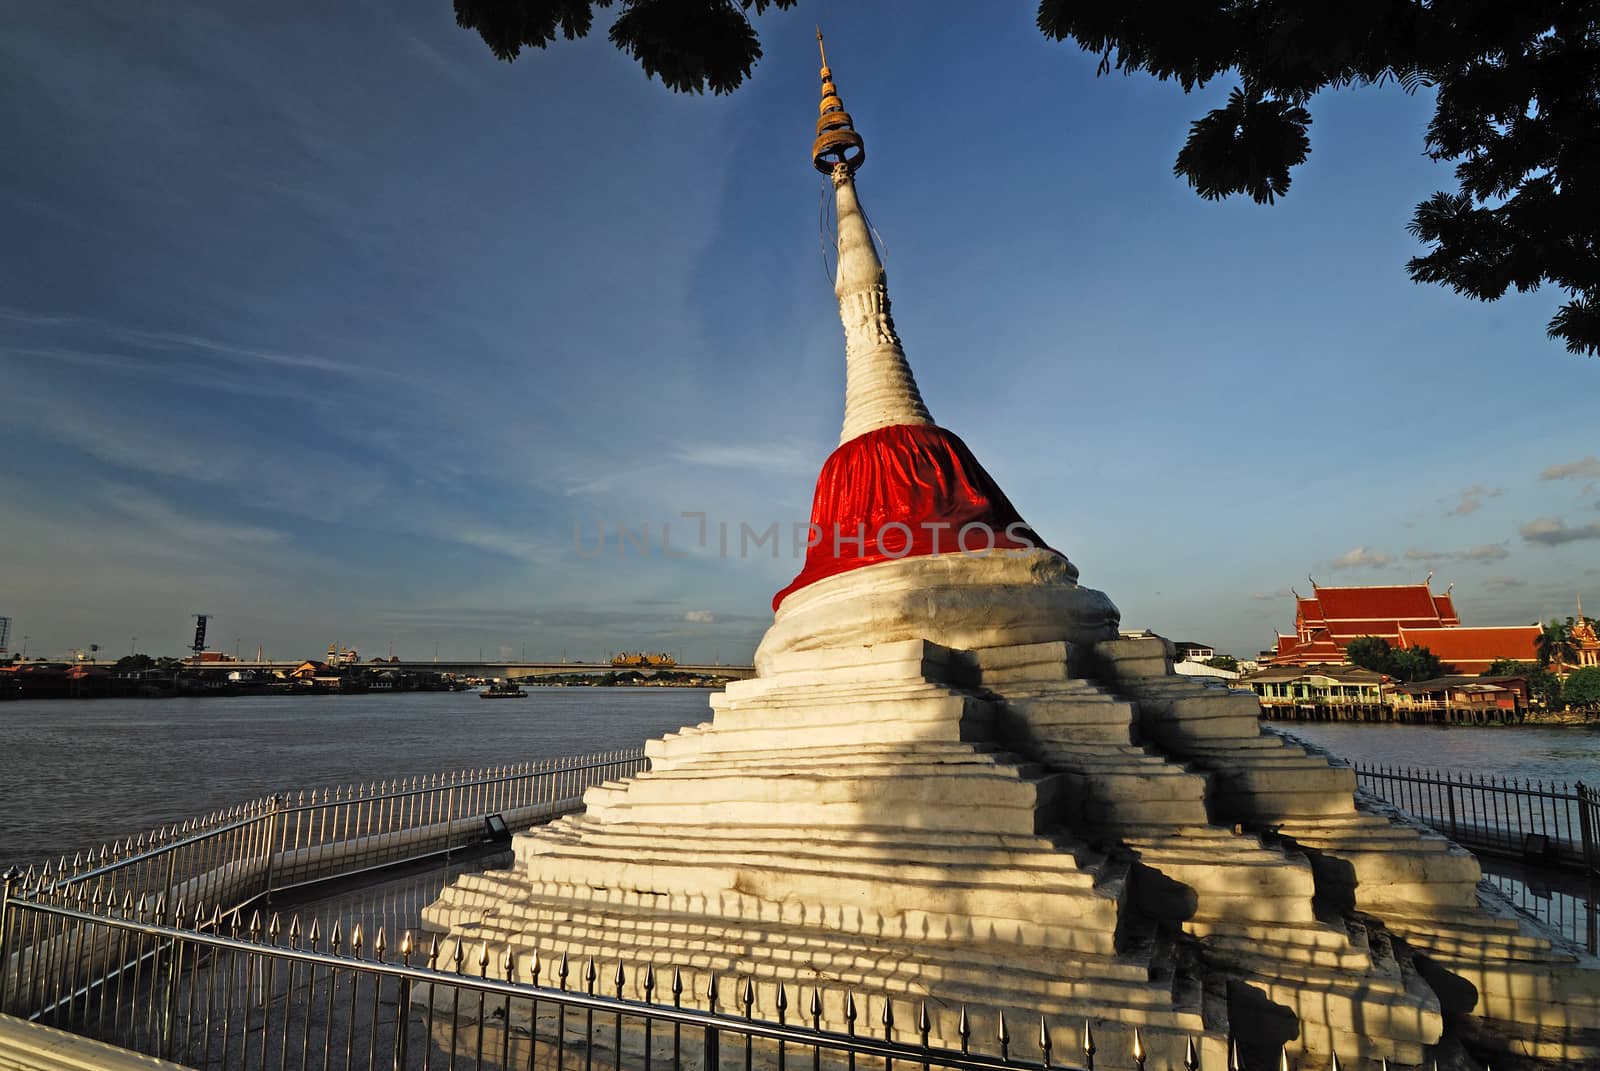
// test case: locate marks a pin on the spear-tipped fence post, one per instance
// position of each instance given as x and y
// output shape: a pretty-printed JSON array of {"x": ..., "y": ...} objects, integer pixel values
[
  {"x": 1588, "y": 803},
  {"x": 8, "y": 886},
  {"x": 274, "y": 822},
  {"x": 450, "y": 817},
  {"x": 1139, "y": 1054},
  {"x": 402, "y": 1017},
  {"x": 713, "y": 1051},
  {"x": 1191, "y": 1056},
  {"x": 677, "y": 1027},
  {"x": 169, "y": 999},
  {"x": 1088, "y": 1046},
  {"x": 1044, "y": 1042},
  {"x": 747, "y": 997}
]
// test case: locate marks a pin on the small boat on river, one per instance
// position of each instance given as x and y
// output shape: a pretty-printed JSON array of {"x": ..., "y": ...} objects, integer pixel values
[{"x": 503, "y": 690}]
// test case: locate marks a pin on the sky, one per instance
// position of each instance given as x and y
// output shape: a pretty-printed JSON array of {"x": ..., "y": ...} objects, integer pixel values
[{"x": 329, "y": 324}]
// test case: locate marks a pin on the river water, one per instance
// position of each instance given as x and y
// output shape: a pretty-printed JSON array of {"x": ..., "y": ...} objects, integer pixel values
[
  {"x": 1542, "y": 753},
  {"x": 77, "y": 773}
]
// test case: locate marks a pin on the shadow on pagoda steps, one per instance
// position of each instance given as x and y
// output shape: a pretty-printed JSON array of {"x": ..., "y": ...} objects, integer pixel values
[
  {"x": 850, "y": 824},
  {"x": 1508, "y": 983},
  {"x": 1250, "y": 907}
]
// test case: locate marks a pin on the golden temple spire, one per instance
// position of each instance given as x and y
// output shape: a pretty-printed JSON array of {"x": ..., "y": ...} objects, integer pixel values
[
  {"x": 880, "y": 390},
  {"x": 837, "y": 141}
]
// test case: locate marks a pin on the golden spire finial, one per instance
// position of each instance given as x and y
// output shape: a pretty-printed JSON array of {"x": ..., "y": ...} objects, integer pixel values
[{"x": 837, "y": 142}]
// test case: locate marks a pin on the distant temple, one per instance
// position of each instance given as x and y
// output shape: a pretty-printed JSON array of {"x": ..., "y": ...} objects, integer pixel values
[
  {"x": 1406, "y": 616},
  {"x": 1585, "y": 642}
]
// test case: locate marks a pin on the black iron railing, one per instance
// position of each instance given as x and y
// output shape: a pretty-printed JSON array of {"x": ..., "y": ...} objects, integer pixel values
[{"x": 1538, "y": 821}]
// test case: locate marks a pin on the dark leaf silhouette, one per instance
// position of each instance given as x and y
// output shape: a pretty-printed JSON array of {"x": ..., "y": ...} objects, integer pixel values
[{"x": 1517, "y": 106}]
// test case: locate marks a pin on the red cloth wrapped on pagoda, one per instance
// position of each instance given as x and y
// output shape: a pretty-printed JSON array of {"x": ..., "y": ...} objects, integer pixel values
[{"x": 900, "y": 492}]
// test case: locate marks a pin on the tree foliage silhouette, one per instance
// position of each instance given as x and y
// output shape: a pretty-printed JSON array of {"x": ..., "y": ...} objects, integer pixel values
[
  {"x": 1582, "y": 688},
  {"x": 1517, "y": 104},
  {"x": 691, "y": 45},
  {"x": 1517, "y": 109},
  {"x": 1554, "y": 646}
]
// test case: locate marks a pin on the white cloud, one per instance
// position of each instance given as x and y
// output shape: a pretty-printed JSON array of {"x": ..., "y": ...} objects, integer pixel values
[
  {"x": 700, "y": 617},
  {"x": 178, "y": 344},
  {"x": 1552, "y": 531},
  {"x": 1361, "y": 558},
  {"x": 1500, "y": 583},
  {"x": 169, "y": 522},
  {"x": 496, "y": 540},
  {"x": 761, "y": 457},
  {"x": 1489, "y": 552},
  {"x": 1472, "y": 498},
  {"x": 1583, "y": 468}
]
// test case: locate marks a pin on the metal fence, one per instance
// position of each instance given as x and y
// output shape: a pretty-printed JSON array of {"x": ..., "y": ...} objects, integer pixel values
[
  {"x": 1539, "y": 821},
  {"x": 281, "y": 997},
  {"x": 231, "y": 858},
  {"x": 111, "y": 946}
]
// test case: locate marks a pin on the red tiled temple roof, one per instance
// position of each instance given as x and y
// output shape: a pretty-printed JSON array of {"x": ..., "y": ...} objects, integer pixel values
[
  {"x": 1411, "y": 602},
  {"x": 1471, "y": 650},
  {"x": 1447, "y": 609},
  {"x": 1329, "y": 619},
  {"x": 1308, "y": 610}
]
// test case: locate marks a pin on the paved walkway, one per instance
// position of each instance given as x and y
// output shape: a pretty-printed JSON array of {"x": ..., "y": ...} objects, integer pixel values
[{"x": 28, "y": 1046}]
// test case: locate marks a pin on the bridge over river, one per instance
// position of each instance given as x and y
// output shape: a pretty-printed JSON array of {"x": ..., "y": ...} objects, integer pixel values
[{"x": 515, "y": 670}]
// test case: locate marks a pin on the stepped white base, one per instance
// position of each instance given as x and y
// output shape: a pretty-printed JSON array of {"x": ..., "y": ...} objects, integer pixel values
[
  {"x": 1527, "y": 991},
  {"x": 847, "y": 823},
  {"x": 984, "y": 828}
]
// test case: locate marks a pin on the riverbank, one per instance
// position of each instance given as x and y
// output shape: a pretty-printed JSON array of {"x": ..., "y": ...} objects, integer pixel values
[{"x": 627, "y": 678}]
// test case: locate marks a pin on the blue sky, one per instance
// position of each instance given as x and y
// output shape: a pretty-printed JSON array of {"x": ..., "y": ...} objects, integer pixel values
[{"x": 333, "y": 326}]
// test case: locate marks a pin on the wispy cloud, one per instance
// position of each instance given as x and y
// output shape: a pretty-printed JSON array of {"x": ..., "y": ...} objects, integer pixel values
[
  {"x": 1585, "y": 468},
  {"x": 1271, "y": 596},
  {"x": 504, "y": 542},
  {"x": 170, "y": 341},
  {"x": 156, "y": 514},
  {"x": 1471, "y": 499},
  {"x": 700, "y": 617},
  {"x": 1489, "y": 552},
  {"x": 760, "y": 457},
  {"x": 1362, "y": 557},
  {"x": 1502, "y": 583},
  {"x": 182, "y": 345},
  {"x": 1553, "y": 531}
]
